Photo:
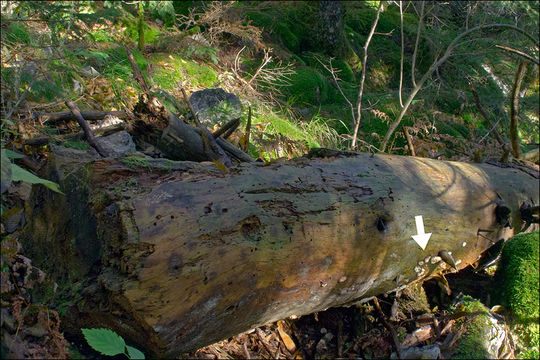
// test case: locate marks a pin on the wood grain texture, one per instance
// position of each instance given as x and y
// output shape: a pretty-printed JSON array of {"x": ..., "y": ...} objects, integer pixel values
[{"x": 191, "y": 255}]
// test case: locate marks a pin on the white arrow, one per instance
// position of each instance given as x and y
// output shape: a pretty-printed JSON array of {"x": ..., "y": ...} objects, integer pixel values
[{"x": 422, "y": 238}]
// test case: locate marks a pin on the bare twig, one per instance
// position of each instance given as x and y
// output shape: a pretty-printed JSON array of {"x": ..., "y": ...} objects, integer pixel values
[
  {"x": 137, "y": 74},
  {"x": 521, "y": 53},
  {"x": 213, "y": 150},
  {"x": 361, "y": 90},
  {"x": 88, "y": 132},
  {"x": 409, "y": 140},
  {"x": 384, "y": 34},
  {"x": 244, "y": 144},
  {"x": 228, "y": 128},
  {"x": 266, "y": 60},
  {"x": 498, "y": 137},
  {"x": 335, "y": 77}
]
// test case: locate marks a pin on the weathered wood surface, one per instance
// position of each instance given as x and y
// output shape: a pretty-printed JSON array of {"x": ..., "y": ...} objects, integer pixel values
[
  {"x": 68, "y": 115},
  {"x": 184, "y": 255}
]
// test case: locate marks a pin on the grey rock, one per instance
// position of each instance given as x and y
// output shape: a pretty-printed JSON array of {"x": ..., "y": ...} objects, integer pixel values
[
  {"x": 13, "y": 221},
  {"x": 117, "y": 144},
  {"x": 215, "y": 106},
  {"x": 419, "y": 352}
]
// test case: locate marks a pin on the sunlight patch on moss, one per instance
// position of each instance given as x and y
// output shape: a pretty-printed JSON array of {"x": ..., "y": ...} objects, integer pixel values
[{"x": 173, "y": 69}]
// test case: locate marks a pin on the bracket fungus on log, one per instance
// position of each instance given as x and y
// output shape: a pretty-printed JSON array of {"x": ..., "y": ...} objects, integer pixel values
[{"x": 178, "y": 255}]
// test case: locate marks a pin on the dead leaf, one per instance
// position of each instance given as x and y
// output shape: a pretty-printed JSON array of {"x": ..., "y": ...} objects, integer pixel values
[{"x": 289, "y": 343}]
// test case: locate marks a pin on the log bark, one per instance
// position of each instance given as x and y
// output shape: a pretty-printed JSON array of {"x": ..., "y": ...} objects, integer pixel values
[
  {"x": 177, "y": 255},
  {"x": 68, "y": 115}
]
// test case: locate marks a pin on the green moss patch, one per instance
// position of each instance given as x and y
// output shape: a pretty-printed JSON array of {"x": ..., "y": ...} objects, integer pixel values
[
  {"x": 172, "y": 69},
  {"x": 308, "y": 86},
  {"x": 472, "y": 345}
]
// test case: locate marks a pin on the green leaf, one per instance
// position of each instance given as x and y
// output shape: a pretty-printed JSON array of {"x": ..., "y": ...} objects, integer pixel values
[
  {"x": 5, "y": 173},
  {"x": 134, "y": 353},
  {"x": 105, "y": 341},
  {"x": 20, "y": 174},
  {"x": 13, "y": 155}
]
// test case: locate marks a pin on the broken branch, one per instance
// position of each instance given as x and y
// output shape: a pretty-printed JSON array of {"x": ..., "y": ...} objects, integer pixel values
[{"x": 84, "y": 125}]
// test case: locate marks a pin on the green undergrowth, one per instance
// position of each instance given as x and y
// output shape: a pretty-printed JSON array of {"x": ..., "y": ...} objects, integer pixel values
[{"x": 115, "y": 63}]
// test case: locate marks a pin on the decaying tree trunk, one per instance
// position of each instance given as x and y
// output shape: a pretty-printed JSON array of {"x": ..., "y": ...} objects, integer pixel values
[{"x": 177, "y": 255}]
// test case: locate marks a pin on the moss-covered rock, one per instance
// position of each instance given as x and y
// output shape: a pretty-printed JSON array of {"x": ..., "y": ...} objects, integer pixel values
[
  {"x": 517, "y": 275},
  {"x": 482, "y": 335},
  {"x": 518, "y": 289}
]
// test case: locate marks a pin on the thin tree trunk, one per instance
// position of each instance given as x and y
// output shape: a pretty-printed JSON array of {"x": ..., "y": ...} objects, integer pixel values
[
  {"x": 436, "y": 65},
  {"x": 418, "y": 30},
  {"x": 402, "y": 54},
  {"x": 358, "y": 121},
  {"x": 140, "y": 44},
  {"x": 514, "y": 109}
]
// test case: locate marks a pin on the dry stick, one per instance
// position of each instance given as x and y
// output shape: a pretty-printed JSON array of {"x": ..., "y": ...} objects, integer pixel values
[
  {"x": 420, "y": 20},
  {"x": 44, "y": 140},
  {"x": 435, "y": 65},
  {"x": 68, "y": 115},
  {"x": 389, "y": 327},
  {"x": 361, "y": 90},
  {"x": 213, "y": 150},
  {"x": 498, "y": 137},
  {"x": 137, "y": 74},
  {"x": 229, "y": 132},
  {"x": 261, "y": 336},
  {"x": 231, "y": 125},
  {"x": 335, "y": 78},
  {"x": 526, "y": 56},
  {"x": 87, "y": 131},
  {"x": 514, "y": 108},
  {"x": 409, "y": 140},
  {"x": 245, "y": 145}
]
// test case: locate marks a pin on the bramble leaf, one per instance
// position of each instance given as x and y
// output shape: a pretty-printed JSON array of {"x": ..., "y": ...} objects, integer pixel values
[
  {"x": 134, "y": 353},
  {"x": 20, "y": 174},
  {"x": 106, "y": 341}
]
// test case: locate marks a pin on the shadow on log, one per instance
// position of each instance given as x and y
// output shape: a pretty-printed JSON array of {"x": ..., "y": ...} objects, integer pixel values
[{"x": 178, "y": 255}]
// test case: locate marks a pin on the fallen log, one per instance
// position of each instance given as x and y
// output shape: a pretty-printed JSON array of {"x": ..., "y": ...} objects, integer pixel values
[
  {"x": 177, "y": 255},
  {"x": 68, "y": 115},
  {"x": 78, "y": 136},
  {"x": 177, "y": 139}
]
